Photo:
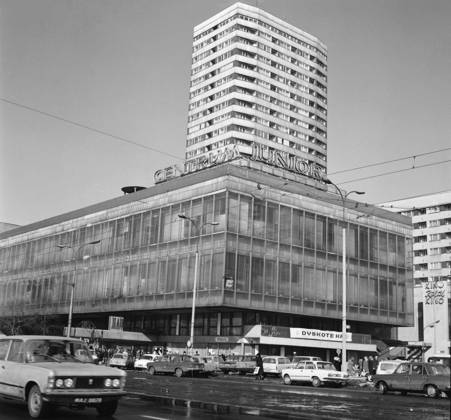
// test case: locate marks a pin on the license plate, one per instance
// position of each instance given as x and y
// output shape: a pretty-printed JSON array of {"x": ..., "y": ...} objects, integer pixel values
[{"x": 88, "y": 400}]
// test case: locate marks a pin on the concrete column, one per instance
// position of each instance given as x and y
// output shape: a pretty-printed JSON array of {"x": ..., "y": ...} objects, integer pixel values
[
  {"x": 177, "y": 326},
  {"x": 218, "y": 325},
  {"x": 282, "y": 350}
]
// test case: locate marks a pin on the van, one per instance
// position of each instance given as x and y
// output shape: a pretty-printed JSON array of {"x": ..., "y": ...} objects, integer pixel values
[
  {"x": 273, "y": 365},
  {"x": 386, "y": 367}
]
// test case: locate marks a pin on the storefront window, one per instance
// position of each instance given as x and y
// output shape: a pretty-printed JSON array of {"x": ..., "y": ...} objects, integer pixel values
[
  {"x": 285, "y": 225},
  {"x": 233, "y": 212},
  {"x": 284, "y": 279},
  {"x": 363, "y": 243},
  {"x": 272, "y": 222},
  {"x": 242, "y": 280},
  {"x": 320, "y": 232},
  {"x": 298, "y": 227},
  {"x": 259, "y": 218},
  {"x": 245, "y": 217},
  {"x": 257, "y": 275},
  {"x": 309, "y": 230},
  {"x": 270, "y": 277}
]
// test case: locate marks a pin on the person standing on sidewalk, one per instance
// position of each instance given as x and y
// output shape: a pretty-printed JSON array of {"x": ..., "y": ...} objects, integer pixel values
[{"x": 259, "y": 364}]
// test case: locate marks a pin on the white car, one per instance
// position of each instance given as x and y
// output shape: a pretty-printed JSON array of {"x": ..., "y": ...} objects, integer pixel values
[
  {"x": 315, "y": 372},
  {"x": 49, "y": 371},
  {"x": 297, "y": 359},
  {"x": 119, "y": 360},
  {"x": 273, "y": 365},
  {"x": 143, "y": 361}
]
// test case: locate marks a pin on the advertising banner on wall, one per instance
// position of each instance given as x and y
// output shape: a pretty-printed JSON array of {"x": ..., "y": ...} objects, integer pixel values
[
  {"x": 435, "y": 293},
  {"x": 318, "y": 334}
]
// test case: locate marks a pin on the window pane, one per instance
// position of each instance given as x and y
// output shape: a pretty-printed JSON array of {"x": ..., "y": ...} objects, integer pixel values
[
  {"x": 242, "y": 282},
  {"x": 257, "y": 275}
]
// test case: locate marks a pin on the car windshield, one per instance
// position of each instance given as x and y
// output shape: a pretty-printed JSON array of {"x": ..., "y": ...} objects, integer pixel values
[
  {"x": 325, "y": 366},
  {"x": 55, "y": 350},
  {"x": 147, "y": 357},
  {"x": 437, "y": 369}
]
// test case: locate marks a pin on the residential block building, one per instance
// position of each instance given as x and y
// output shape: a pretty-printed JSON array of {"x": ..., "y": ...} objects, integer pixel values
[{"x": 431, "y": 218}]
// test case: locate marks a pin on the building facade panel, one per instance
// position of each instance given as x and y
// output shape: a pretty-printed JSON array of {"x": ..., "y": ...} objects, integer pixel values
[{"x": 281, "y": 258}]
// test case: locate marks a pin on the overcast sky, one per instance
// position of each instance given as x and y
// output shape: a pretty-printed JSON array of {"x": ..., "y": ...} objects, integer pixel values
[{"x": 122, "y": 67}]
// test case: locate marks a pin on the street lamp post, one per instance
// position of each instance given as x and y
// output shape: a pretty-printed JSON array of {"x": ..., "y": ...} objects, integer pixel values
[
  {"x": 196, "y": 269},
  {"x": 344, "y": 297},
  {"x": 430, "y": 325},
  {"x": 75, "y": 254}
]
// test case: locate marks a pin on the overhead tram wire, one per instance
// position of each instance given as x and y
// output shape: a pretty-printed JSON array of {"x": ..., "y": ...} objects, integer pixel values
[
  {"x": 393, "y": 172},
  {"x": 86, "y": 127},
  {"x": 389, "y": 161}
]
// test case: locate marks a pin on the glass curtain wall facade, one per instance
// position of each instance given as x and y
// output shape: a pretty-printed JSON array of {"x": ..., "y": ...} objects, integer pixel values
[
  {"x": 281, "y": 258},
  {"x": 256, "y": 79}
]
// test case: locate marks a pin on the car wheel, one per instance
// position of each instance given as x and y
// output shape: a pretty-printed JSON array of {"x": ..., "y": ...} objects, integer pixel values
[
  {"x": 381, "y": 387},
  {"x": 431, "y": 391},
  {"x": 287, "y": 380},
  {"x": 107, "y": 409},
  {"x": 178, "y": 372},
  {"x": 316, "y": 382},
  {"x": 151, "y": 370},
  {"x": 37, "y": 408}
]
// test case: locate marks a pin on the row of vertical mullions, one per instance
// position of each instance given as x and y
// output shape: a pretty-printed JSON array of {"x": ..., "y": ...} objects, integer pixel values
[{"x": 386, "y": 272}]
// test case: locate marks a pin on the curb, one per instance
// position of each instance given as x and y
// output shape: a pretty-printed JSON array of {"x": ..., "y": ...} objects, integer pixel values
[{"x": 217, "y": 408}]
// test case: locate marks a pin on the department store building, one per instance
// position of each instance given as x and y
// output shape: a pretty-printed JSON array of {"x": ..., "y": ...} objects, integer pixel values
[
  {"x": 256, "y": 207},
  {"x": 269, "y": 268}
]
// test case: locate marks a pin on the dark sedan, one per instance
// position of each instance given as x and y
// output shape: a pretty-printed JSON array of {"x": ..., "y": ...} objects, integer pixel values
[
  {"x": 177, "y": 364},
  {"x": 429, "y": 378}
]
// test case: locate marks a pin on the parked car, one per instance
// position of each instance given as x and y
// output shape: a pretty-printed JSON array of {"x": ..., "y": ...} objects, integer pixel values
[
  {"x": 429, "y": 378},
  {"x": 297, "y": 359},
  {"x": 119, "y": 360},
  {"x": 385, "y": 367},
  {"x": 245, "y": 364},
  {"x": 142, "y": 362},
  {"x": 227, "y": 365},
  {"x": 316, "y": 372},
  {"x": 273, "y": 365},
  {"x": 211, "y": 364},
  {"x": 47, "y": 371},
  {"x": 177, "y": 364}
]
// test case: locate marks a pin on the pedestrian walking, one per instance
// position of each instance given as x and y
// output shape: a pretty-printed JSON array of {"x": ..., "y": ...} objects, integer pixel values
[
  {"x": 375, "y": 364},
  {"x": 370, "y": 365},
  {"x": 259, "y": 368},
  {"x": 337, "y": 360},
  {"x": 366, "y": 370}
]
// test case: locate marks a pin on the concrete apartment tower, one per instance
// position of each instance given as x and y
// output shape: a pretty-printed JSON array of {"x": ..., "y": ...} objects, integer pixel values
[
  {"x": 256, "y": 79},
  {"x": 431, "y": 219}
]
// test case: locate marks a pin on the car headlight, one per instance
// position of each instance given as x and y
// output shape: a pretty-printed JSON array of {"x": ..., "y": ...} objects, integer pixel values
[
  {"x": 69, "y": 383},
  {"x": 64, "y": 383},
  {"x": 108, "y": 382},
  {"x": 116, "y": 383}
]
